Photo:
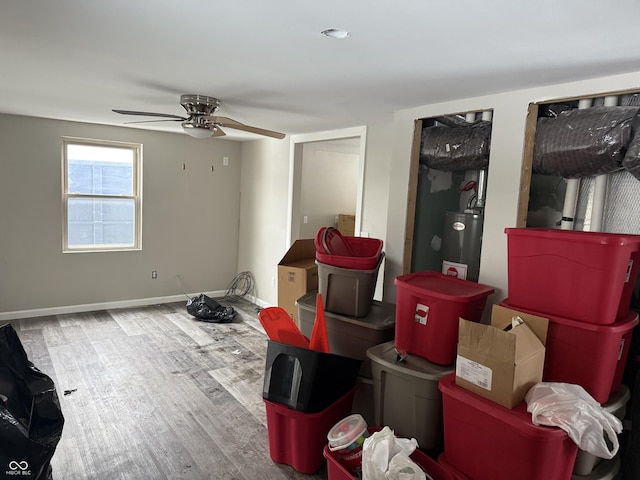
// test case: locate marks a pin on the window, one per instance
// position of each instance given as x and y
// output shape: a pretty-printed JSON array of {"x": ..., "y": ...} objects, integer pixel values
[{"x": 101, "y": 195}]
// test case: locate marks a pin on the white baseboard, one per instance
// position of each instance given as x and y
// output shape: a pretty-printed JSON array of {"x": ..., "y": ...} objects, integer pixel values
[{"x": 91, "y": 307}]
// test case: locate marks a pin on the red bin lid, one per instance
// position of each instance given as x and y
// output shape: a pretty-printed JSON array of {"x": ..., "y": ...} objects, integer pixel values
[{"x": 443, "y": 286}]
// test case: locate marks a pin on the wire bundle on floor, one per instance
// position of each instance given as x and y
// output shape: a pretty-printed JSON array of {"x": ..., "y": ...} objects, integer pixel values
[{"x": 242, "y": 285}]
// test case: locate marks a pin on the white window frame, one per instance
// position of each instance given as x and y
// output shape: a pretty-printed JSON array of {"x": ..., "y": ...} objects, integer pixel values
[{"x": 136, "y": 195}]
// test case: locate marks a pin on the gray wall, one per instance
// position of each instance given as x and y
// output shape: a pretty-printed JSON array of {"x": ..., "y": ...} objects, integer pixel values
[{"x": 190, "y": 219}]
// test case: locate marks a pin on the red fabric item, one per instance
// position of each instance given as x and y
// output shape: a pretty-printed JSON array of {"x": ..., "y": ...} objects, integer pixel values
[{"x": 319, "y": 339}]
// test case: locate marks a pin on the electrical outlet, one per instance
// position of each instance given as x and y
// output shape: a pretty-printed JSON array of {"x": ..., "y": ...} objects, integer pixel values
[
  {"x": 305, "y": 219},
  {"x": 154, "y": 274},
  {"x": 225, "y": 161},
  {"x": 273, "y": 281}
]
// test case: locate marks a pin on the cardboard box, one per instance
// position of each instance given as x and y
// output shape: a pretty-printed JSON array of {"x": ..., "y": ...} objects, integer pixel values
[
  {"x": 347, "y": 224},
  {"x": 501, "y": 365},
  {"x": 297, "y": 275}
]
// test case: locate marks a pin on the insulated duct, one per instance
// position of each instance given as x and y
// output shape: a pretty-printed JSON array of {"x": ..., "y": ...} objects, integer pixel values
[
  {"x": 582, "y": 143},
  {"x": 456, "y": 145}
]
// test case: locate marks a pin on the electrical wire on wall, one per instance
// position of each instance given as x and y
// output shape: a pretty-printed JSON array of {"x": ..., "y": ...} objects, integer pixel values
[
  {"x": 242, "y": 285},
  {"x": 179, "y": 280}
]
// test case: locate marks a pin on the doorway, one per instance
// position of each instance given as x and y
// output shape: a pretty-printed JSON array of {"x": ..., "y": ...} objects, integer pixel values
[{"x": 326, "y": 176}]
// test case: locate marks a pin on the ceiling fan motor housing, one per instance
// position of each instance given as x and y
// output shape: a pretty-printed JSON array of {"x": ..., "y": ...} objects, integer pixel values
[{"x": 199, "y": 104}]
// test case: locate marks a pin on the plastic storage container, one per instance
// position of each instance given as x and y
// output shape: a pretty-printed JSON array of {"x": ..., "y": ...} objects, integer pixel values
[
  {"x": 406, "y": 395},
  {"x": 307, "y": 380},
  {"x": 346, "y": 439},
  {"x": 616, "y": 405},
  {"x": 457, "y": 474},
  {"x": 587, "y": 354},
  {"x": 585, "y": 276},
  {"x": 358, "y": 253},
  {"x": 347, "y": 291},
  {"x": 428, "y": 305},
  {"x": 485, "y": 440},
  {"x": 297, "y": 438},
  {"x": 363, "y": 400},
  {"x": 606, "y": 470},
  {"x": 435, "y": 471},
  {"x": 351, "y": 336}
]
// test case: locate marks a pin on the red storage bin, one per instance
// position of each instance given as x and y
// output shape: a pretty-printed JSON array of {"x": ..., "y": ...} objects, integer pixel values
[
  {"x": 428, "y": 305},
  {"x": 335, "y": 471},
  {"x": 586, "y": 354},
  {"x": 457, "y": 474},
  {"x": 366, "y": 253},
  {"x": 297, "y": 438},
  {"x": 487, "y": 441},
  {"x": 585, "y": 276}
]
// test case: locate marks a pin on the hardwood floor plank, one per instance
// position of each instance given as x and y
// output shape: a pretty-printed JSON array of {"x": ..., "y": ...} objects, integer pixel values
[
  {"x": 188, "y": 326},
  {"x": 245, "y": 391},
  {"x": 157, "y": 394}
]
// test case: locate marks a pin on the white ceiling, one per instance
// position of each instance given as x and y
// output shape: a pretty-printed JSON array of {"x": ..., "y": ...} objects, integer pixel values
[{"x": 271, "y": 68}]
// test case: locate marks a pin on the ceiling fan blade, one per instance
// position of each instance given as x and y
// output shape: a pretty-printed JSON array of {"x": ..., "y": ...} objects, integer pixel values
[
  {"x": 152, "y": 121},
  {"x": 231, "y": 123},
  {"x": 222, "y": 120},
  {"x": 218, "y": 133},
  {"x": 259, "y": 131},
  {"x": 150, "y": 114}
]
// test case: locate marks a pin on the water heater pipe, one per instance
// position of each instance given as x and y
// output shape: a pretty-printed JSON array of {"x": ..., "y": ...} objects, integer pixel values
[
  {"x": 601, "y": 183},
  {"x": 573, "y": 188},
  {"x": 487, "y": 115}
]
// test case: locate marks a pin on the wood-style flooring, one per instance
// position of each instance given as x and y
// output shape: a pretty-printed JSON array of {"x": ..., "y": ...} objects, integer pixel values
[{"x": 157, "y": 394}]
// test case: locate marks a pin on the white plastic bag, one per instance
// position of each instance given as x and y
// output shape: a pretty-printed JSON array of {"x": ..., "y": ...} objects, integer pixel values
[
  {"x": 401, "y": 467},
  {"x": 379, "y": 454},
  {"x": 571, "y": 408}
]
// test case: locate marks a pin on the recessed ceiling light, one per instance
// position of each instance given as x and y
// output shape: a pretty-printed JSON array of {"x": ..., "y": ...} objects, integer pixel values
[{"x": 335, "y": 33}]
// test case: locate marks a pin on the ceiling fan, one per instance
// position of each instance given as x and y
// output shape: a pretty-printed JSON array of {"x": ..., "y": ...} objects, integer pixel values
[{"x": 200, "y": 122}]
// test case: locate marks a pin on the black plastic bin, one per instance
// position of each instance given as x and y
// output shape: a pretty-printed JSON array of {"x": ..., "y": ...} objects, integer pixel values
[{"x": 307, "y": 380}]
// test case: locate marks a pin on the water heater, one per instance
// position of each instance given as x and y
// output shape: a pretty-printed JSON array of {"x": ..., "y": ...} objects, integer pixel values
[{"x": 461, "y": 243}]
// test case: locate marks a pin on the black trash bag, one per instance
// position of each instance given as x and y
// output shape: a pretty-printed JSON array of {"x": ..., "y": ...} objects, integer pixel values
[
  {"x": 207, "y": 309},
  {"x": 31, "y": 419}
]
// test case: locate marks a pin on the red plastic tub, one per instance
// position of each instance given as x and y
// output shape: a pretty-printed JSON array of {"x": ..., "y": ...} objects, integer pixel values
[
  {"x": 428, "y": 305},
  {"x": 457, "y": 474},
  {"x": 586, "y": 354},
  {"x": 366, "y": 253},
  {"x": 297, "y": 438},
  {"x": 330, "y": 241},
  {"x": 335, "y": 471},
  {"x": 585, "y": 276},
  {"x": 487, "y": 441}
]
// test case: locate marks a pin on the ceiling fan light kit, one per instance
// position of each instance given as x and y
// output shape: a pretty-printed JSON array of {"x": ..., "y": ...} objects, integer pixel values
[
  {"x": 198, "y": 131},
  {"x": 201, "y": 123}
]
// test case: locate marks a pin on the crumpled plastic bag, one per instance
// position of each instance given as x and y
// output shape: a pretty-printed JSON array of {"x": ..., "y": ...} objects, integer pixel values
[
  {"x": 385, "y": 457},
  {"x": 571, "y": 408}
]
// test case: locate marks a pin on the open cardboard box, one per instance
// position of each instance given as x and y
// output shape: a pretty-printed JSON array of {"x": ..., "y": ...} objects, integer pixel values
[
  {"x": 297, "y": 275},
  {"x": 498, "y": 364}
]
